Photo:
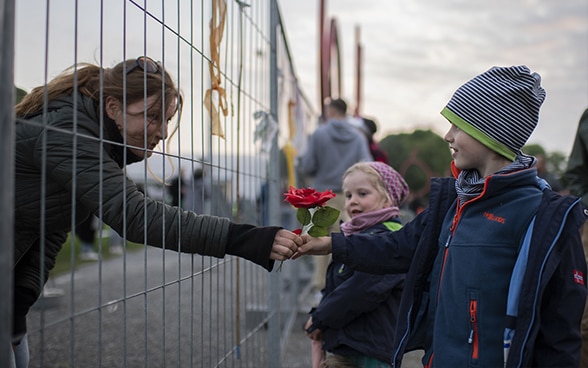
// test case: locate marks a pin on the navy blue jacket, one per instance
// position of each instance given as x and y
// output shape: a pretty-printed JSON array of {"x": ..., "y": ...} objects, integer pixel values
[
  {"x": 547, "y": 331},
  {"x": 358, "y": 311}
]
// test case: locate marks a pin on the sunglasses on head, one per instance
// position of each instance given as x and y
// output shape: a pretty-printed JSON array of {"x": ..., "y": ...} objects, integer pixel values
[{"x": 146, "y": 64}]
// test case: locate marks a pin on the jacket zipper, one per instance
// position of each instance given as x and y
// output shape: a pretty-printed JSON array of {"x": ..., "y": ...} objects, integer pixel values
[
  {"x": 454, "y": 223},
  {"x": 430, "y": 362},
  {"x": 473, "y": 338},
  {"x": 445, "y": 251}
]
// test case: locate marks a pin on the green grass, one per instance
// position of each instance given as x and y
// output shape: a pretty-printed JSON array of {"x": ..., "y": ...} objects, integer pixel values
[{"x": 63, "y": 262}]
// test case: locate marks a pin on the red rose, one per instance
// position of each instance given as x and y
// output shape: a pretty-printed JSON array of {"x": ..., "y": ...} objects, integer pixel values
[{"x": 308, "y": 197}]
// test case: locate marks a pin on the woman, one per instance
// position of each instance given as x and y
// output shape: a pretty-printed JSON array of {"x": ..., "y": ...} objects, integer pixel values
[{"x": 73, "y": 137}]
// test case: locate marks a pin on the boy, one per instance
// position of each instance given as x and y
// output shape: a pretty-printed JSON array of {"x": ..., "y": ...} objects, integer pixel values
[{"x": 495, "y": 266}]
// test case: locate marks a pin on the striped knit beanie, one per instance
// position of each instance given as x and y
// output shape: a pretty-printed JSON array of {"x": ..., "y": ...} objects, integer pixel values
[
  {"x": 393, "y": 181},
  {"x": 499, "y": 108}
]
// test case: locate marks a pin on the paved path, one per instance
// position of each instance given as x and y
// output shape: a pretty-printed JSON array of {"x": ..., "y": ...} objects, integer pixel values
[
  {"x": 189, "y": 323},
  {"x": 297, "y": 352}
]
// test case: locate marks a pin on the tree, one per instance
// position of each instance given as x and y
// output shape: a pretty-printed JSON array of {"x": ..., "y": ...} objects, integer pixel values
[
  {"x": 19, "y": 94},
  {"x": 418, "y": 156},
  {"x": 555, "y": 162}
]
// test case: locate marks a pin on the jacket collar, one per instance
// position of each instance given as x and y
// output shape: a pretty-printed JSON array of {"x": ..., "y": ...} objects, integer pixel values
[{"x": 117, "y": 149}]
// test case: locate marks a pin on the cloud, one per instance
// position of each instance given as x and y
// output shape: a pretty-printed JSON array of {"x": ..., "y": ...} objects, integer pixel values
[{"x": 417, "y": 52}]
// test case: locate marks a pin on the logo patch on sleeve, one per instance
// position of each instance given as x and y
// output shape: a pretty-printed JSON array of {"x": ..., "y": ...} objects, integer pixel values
[{"x": 578, "y": 277}]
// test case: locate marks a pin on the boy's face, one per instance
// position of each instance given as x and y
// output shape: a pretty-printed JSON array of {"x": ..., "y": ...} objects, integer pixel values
[{"x": 468, "y": 153}]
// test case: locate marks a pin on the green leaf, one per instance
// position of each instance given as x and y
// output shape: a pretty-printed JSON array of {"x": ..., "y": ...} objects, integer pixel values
[
  {"x": 318, "y": 231},
  {"x": 325, "y": 216},
  {"x": 303, "y": 216}
]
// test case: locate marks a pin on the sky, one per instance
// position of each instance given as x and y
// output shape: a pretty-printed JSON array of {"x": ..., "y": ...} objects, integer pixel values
[{"x": 418, "y": 52}]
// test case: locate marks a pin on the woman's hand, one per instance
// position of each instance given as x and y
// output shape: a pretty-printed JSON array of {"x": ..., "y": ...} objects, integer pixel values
[
  {"x": 314, "y": 246},
  {"x": 285, "y": 244}
]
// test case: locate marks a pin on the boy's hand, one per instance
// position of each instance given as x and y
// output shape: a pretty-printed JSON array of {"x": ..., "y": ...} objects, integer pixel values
[
  {"x": 314, "y": 246},
  {"x": 316, "y": 334},
  {"x": 285, "y": 244}
]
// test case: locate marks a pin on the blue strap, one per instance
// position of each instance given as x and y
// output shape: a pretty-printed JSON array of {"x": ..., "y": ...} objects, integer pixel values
[
  {"x": 518, "y": 272},
  {"x": 514, "y": 290}
]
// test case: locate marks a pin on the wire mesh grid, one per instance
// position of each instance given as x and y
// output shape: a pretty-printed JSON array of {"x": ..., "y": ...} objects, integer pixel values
[{"x": 147, "y": 306}]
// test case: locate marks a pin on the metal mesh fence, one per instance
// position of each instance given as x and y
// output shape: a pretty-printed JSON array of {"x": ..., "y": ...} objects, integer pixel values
[{"x": 144, "y": 306}]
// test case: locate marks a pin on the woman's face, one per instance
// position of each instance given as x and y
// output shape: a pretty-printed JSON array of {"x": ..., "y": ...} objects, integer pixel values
[
  {"x": 143, "y": 129},
  {"x": 360, "y": 194}
]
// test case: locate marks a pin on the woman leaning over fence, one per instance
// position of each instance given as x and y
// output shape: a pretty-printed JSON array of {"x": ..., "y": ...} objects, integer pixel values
[{"x": 61, "y": 130}]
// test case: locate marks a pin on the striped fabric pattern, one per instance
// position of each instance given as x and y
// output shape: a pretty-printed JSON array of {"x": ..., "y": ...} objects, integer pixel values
[{"x": 499, "y": 108}]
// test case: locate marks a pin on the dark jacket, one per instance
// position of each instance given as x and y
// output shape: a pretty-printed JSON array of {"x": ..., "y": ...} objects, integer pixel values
[
  {"x": 547, "y": 331},
  {"x": 358, "y": 311},
  {"x": 45, "y": 147},
  {"x": 577, "y": 170}
]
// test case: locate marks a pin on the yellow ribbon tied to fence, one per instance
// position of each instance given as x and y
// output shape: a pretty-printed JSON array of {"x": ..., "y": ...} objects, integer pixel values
[
  {"x": 289, "y": 149},
  {"x": 217, "y": 27}
]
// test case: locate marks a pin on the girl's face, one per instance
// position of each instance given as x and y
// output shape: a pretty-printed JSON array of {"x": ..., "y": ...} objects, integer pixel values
[
  {"x": 361, "y": 195},
  {"x": 468, "y": 153},
  {"x": 143, "y": 130}
]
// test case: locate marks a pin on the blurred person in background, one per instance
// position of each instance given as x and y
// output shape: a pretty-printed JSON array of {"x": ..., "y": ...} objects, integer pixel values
[
  {"x": 370, "y": 128},
  {"x": 86, "y": 232},
  {"x": 197, "y": 192},
  {"x": 544, "y": 173},
  {"x": 577, "y": 178}
]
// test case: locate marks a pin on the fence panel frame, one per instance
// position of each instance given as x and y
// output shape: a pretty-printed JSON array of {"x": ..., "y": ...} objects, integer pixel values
[{"x": 7, "y": 27}]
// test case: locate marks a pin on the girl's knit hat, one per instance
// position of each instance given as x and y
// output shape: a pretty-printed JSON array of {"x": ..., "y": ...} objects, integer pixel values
[
  {"x": 393, "y": 181},
  {"x": 499, "y": 108}
]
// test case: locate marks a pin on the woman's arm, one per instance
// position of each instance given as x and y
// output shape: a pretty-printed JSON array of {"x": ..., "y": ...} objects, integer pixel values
[
  {"x": 262, "y": 245},
  {"x": 99, "y": 180}
]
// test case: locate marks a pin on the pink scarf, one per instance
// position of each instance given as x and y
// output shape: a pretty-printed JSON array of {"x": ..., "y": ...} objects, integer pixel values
[{"x": 366, "y": 220}]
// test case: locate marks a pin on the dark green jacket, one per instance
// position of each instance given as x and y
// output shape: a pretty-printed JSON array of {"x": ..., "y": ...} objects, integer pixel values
[
  {"x": 55, "y": 168},
  {"x": 577, "y": 170}
]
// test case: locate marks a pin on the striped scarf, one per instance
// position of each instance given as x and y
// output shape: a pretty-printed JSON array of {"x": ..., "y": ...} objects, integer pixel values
[{"x": 470, "y": 185}]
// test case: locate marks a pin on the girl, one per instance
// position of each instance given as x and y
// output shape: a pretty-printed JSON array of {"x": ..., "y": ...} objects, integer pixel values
[{"x": 355, "y": 321}]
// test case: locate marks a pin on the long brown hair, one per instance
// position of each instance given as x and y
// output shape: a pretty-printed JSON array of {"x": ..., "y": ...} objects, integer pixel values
[{"x": 87, "y": 76}]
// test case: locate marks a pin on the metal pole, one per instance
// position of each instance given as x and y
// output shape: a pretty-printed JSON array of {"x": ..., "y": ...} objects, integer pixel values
[
  {"x": 274, "y": 336},
  {"x": 7, "y": 15}
]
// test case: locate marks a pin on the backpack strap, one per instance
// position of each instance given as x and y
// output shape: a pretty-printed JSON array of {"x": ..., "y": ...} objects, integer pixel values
[{"x": 514, "y": 290}]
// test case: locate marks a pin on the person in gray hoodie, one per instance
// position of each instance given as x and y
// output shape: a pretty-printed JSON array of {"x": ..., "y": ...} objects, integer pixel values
[{"x": 334, "y": 147}]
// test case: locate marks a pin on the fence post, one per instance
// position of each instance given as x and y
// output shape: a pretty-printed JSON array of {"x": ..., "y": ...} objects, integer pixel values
[
  {"x": 7, "y": 14},
  {"x": 274, "y": 335}
]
